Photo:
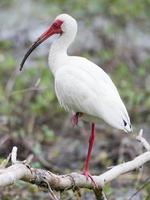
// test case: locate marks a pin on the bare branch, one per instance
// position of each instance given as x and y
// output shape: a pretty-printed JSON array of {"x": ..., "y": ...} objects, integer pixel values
[
  {"x": 14, "y": 155},
  {"x": 141, "y": 139},
  {"x": 99, "y": 194},
  {"x": 140, "y": 188},
  {"x": 61, "y": 182},
  {"x": 21, "y": 171}
]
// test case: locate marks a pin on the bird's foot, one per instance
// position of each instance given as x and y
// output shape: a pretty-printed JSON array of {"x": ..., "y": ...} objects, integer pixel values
[
  {"x": 75, "y": 119},
  {"x": 88, "y": 176}
]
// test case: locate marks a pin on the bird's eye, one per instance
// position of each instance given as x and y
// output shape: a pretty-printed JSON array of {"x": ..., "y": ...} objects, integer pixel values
[
  {"x": 125, "y": 123},
  {"x": 56, "y": 25}
]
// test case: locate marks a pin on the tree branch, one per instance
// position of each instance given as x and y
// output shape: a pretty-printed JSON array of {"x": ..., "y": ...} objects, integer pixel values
[
  {"x": 141, "y": 139},
  {"x": 21, "y": 171}
]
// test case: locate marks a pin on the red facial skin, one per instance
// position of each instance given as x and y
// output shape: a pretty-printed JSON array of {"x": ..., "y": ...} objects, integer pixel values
[{"x": 55, "y": 28}]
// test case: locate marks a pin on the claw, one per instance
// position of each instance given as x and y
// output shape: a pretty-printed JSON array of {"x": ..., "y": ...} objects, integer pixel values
[
  {"x": 88, "y": 176},
  {"x": 75, "y": 118}
]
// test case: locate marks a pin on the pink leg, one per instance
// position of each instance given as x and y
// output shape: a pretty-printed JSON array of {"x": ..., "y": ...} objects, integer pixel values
[
  {"x": 75, "y": 118},
  {"x": 86, "y": 164}
]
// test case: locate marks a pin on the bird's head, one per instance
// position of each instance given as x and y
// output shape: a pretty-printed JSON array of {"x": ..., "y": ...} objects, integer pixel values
[{"x": 63, "y": 23}]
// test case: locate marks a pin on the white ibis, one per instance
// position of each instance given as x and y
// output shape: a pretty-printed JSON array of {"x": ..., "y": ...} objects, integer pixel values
[{"x": 80, "y": 85}]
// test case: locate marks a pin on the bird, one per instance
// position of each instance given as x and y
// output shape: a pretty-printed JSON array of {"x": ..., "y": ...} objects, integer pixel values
[{"x": 81, "y": 86}]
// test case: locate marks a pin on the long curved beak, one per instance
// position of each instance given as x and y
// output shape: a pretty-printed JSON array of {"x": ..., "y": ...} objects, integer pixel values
[{"x": 51, "y": 31}]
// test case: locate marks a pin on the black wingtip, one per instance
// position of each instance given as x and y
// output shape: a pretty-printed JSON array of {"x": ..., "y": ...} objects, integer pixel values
[
  {"x": 125, "y": 123},
  {"x": 127, "y": 127}
]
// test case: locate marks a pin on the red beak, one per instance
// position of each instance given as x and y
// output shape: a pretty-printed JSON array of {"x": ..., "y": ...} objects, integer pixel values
[{"x": 55, "y": 28}]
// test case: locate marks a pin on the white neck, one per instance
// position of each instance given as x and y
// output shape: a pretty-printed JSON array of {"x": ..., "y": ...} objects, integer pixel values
[{"x": 58, "y": 52}]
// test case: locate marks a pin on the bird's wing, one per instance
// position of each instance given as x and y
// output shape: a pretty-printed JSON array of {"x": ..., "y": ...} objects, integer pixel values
[{"x": 88, "y": 89}]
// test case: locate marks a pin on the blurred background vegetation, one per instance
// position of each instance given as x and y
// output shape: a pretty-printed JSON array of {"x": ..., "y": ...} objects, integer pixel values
[{"x": 115, "y": 34}]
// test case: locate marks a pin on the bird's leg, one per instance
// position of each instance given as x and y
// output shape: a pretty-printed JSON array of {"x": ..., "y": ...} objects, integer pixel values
[
  {"x": 86, "y": 164},
  {"x": 75, "y": 118},
  {"x": 91, "y": 141}
]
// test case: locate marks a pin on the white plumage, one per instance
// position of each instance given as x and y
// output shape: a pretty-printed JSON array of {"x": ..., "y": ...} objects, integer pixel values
[{"x": 82, "y": 86}]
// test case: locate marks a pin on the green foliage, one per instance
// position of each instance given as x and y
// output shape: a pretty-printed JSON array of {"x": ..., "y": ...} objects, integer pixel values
[
  {"x": 5, "y": 44},
  {"x": 30, "y": 92},
  {"x": 134, "y": 95},
  {"x": 107, "y": 189},
  {"x": 5, "y": 3},
  {"x": 128, "y": 9},
  {"x": 48, "y": 134},
  {"x": 118, "y": 9},
  {"x": 105, "y": 55}
]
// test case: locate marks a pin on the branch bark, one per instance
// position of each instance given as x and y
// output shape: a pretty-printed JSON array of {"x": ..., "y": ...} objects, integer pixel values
[
  {"x": 22, "y": 171},
  {"x": 62, "y": 182}
]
